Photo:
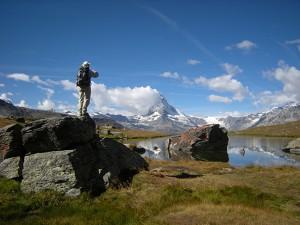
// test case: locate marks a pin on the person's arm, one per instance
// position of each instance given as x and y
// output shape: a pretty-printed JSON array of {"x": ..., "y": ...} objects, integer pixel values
[{"x": 94, "y": 73}]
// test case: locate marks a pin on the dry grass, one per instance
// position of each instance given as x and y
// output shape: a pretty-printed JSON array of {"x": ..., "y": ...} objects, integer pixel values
[
  {"x": 133, "y": 134},
  {"x": 6, "y": 121},
  {"x": 143, "y": 134},
  {"x": 222, "y": 214},
  {"x": 291, "y": 129},
  {"x": 221, "y": 195}
]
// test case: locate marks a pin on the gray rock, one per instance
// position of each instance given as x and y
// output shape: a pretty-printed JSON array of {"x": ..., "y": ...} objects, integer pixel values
[
  {"x": 91, "y": 167},
  {"x": 11, "y": 141},
  {"x": 87, "y": 163},
  {"x": 294, "y": 143},
  {"x": 208, "y": 143},
  {"x": 49, "y": 170},
  {"x": 11, "y": 168},
  {"x": 57, "y": 134},
  {"x": 293, "y": 147}
]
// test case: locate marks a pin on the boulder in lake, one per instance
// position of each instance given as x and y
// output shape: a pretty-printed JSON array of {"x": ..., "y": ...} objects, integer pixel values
[
  {"x": 208, "y": 142},
  {"x": 293, "y": 147}
]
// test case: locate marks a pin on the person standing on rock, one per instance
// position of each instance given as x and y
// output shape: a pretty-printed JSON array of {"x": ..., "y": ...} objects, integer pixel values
[{"x": 84, "y": 86}]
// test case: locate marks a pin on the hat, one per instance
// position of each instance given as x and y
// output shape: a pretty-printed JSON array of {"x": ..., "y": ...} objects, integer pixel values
[{"x": 86, "y": 63}]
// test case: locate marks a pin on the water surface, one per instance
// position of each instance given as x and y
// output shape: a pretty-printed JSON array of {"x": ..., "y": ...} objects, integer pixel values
[{"x": 242, "y": 150}]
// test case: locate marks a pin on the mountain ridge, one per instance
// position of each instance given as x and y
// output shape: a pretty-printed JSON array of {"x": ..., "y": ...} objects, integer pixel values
[{"x": 166, "y": 118}]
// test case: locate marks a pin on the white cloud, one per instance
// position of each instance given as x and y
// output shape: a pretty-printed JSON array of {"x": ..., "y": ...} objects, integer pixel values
[
  {"x": 76, "y": 95},
  {"x": 231, "y": 69},
  {"x": 193, "y": 61},
  {"x": 2, "y": 85},
  {"x": 19, "y": 76},
  {"x": 123, "y": 100},
  {"x": 226, "y": 82},
  {"x": 6, "y": 96},
  {"x": 22, "y": 103},
  {"x": 295, "y": 42},
  {"x": 62, "y": 107},
  {"x": 289, "y": 76},
  {"x": 68, "y": 85},
  {"x": 49, "y": 91},
  {"x": 176, "y": 76},
  {"x": 27, "y": 78},
  {"x": 46, "y": 104},
  {"x": 217, "y": 98},
  {"x": 244, "y": 45},
  {"x": 223, "y": 83},
  {"x": 173, "y": 75},
  {"x": 38, "y": 80},
  {"x": 233, "y": 114}
]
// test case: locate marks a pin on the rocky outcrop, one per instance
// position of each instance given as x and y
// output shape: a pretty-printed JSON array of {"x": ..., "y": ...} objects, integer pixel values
[
  {"x": 11, "y": 141},
  {"x": 293, "y": 147},
  {"x": 208, "y": 143},
  {"x": 65, "y": 155},
  {"x": 57, "y": 133}
]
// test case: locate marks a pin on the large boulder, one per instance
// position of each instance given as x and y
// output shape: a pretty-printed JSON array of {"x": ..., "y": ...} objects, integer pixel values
[
  {"x": 293, "y": 147},
  {"x": 208, "y": 142},
  {"x": 90, "y": 167},
  {"x": 70, "y": 158},
  {"x": 11, "y": 141},
  {"x": 57, "y": 133}
]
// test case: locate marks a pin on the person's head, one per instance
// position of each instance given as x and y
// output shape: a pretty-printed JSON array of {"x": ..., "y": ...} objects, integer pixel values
[{"x": 86, "y": 64}]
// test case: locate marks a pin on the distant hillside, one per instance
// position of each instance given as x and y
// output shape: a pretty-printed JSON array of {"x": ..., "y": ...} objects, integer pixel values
[
  {"x": 8, "y": 109},
  {"x": 290, "y": 129}
]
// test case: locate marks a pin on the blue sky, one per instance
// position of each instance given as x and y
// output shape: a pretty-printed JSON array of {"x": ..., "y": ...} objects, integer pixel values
[{"x": 206, "y": 57}]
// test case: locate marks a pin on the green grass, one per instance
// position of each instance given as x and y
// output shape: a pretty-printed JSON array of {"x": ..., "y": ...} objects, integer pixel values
[
  {"x": 291, "y": 129},
  {"x": 253, "y": 195},
  {"x": 135, "y": 134}
]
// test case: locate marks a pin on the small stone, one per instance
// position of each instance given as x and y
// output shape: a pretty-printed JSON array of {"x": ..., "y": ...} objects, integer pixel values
[{"x": 73, "y": 192}]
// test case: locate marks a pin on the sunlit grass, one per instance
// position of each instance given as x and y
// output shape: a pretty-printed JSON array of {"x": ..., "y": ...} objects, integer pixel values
[
  {"x": 253, "y": 195},
  {"x": 290, "y": 129}
]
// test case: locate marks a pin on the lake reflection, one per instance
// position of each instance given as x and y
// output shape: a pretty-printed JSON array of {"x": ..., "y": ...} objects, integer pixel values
[
  {"x": 242, "y": 150},
  {"x": 246, "y": 150}
]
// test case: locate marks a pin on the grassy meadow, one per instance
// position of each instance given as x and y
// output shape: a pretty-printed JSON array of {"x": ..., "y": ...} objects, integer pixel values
[
  {"x": 133, "y": 134},
  {"x": 216, "y": 194},
  {"x": 290, "y": 129},
  {"x": 6, "y": 121}
]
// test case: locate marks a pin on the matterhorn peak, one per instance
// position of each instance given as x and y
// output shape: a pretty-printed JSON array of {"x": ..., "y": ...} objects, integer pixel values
[{"x": 162, "y": 107}]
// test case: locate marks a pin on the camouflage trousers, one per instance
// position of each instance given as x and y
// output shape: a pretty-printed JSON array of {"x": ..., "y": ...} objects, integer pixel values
[{"x": 84, "y": 100}]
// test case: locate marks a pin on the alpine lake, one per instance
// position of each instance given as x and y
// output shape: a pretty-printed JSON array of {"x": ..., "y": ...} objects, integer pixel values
[{"x": 242, "y": 150}]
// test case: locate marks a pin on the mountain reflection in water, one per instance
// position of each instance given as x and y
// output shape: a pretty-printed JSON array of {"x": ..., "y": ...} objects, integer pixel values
[{"x": 242, "y": 150}]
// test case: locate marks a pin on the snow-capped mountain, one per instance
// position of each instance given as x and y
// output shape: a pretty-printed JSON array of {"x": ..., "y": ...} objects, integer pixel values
[
  {"x": 165, "y": 117},
  {"x": 277, "y": 115},
  {"x": 162, "y": 117}
]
